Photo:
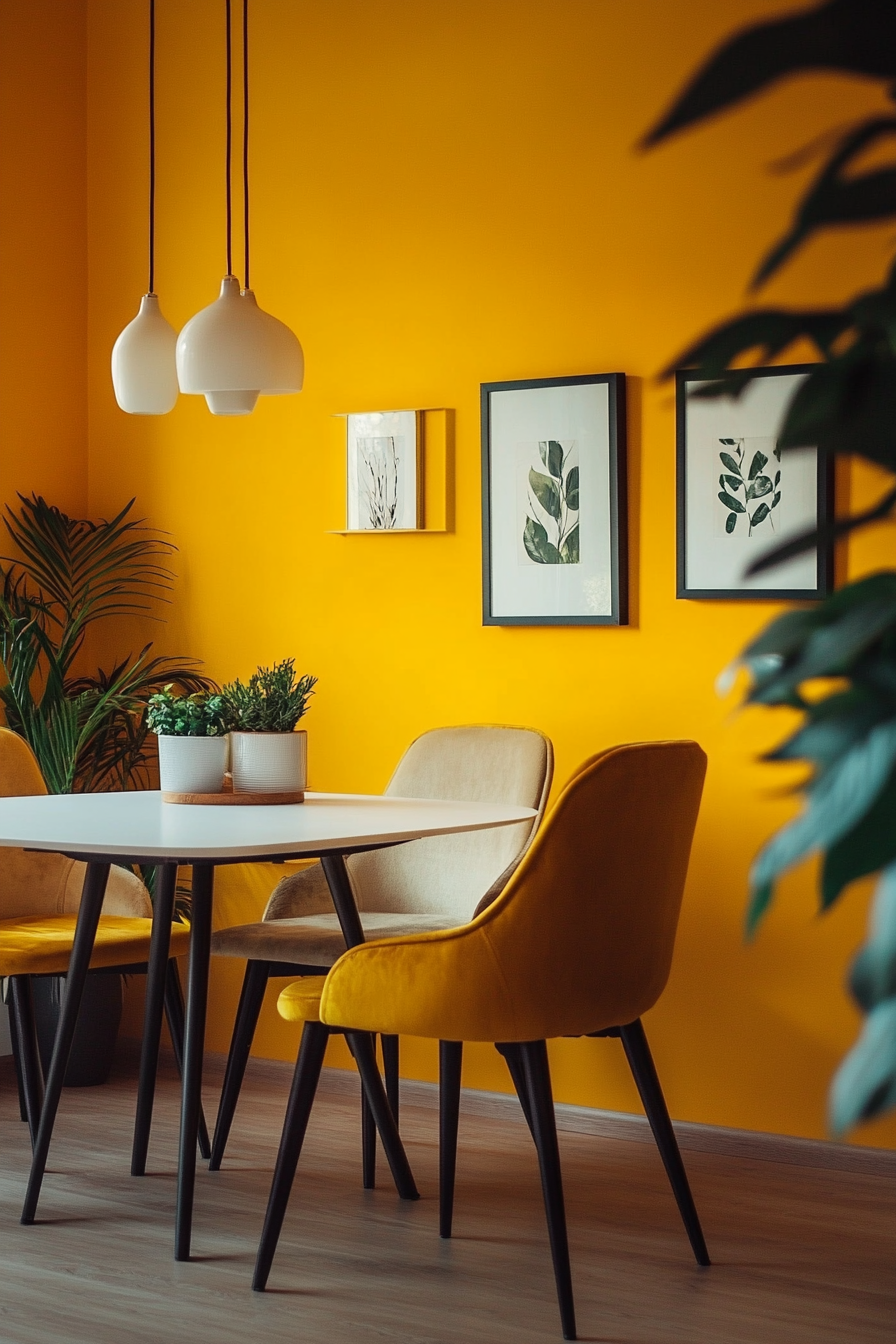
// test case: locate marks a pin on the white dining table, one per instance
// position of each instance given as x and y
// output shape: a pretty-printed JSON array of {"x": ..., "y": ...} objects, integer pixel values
[{"x": 138, "y": 827}]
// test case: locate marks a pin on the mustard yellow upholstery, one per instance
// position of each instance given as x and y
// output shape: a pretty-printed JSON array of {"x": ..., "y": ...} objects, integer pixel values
[
  {"x": 580, "y": 939},
  {"x": 40, "y": 894},
  {"x": 429, "y": 884},
  {"x": 42, "y": 946},
  {"x": 300, "y": 1001}
]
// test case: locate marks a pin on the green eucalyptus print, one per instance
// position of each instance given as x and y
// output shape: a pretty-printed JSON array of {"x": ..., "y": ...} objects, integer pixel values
[
  {"x": 556, "y": 496},
  {"x": 744, "y": 481}
]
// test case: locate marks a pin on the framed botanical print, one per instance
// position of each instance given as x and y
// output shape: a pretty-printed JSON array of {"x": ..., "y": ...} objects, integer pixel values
[
  {"x": 383, "y": 471},
  {"x": 739, "y": 495},
  {"x": 554, "y": 501}
]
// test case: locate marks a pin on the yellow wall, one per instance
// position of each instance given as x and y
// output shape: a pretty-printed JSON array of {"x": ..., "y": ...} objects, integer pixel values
[
  {"x": 43, "y": 246},
  {"x": 445, "y": 195}
]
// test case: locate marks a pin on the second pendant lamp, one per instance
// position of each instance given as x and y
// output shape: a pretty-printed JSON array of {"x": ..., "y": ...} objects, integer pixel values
[{"x": 233, "y": 351}]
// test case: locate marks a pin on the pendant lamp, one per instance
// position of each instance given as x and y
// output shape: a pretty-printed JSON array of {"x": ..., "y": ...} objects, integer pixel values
[
  {"x": 144, "y": 372},
  {"x": 233, "y": 351}
]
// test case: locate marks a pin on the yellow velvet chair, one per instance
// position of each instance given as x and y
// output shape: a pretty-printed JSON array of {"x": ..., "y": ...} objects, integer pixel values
[
  {"x": 40, "y": 894},
  {"x": 579, "y": 943}
]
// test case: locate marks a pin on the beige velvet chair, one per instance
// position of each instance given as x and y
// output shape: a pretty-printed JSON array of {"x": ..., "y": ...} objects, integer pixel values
[
  {"x": 40, "y": 895},
  {"x": 435, "y": 883}
]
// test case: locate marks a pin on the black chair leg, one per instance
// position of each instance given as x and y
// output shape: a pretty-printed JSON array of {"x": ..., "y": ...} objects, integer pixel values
[
  {"x": 156, "y": 976},
  {"x": 16, "y": 1057},
  {"x": 368, "y": 1145},
  {"x": 252, "y": 996},
  {"x": 514, "y": 1061},
  {"x": 175, "y": 1016},
  {"x": 361, "y": 1045},
  {"x": 634, "y": 1041},
  {"x": 32, "y": 1077},
  {"x": 451, "y": 1055},
  {"x": 390, "y": 1071},
  {"x": 298, "y": 1111},
  {"x": 534, "y": 1055}
]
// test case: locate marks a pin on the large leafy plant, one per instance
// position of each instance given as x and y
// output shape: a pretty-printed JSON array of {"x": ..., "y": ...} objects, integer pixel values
[
  {"x": 87, "y": 730},
  {"x": 846, "y": 406}
]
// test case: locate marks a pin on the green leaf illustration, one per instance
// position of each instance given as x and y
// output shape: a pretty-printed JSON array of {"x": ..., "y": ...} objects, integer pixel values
[
  {"x": 777, "y": 499},
  {"x": 554, "y": 462},
  {"x": 572, "y": 489},
  {"x": 759, "y": 461},
  {"x": 731, "y": 442},
  {"x": 760, "y": 515},
  {"x": 731, "y": 503},
  {"x": 538, "y": 548},
  {"x": 761, "y": 486},
  {"x": 734, "y": 482},
  {"x": 569, "y": 551},
  {"x": 546, "y": 492},
  {"x": 730, "y": 522},
  {"x": 777, "y": 479},
  {"x": 729, "y": 462}
]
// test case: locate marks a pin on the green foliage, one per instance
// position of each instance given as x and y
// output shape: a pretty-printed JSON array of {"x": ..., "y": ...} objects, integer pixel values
[
  {"x": 558, "y": 495},
  {"x": 88, "y": 732},
  {"x": 846, "y": 406},
  {"x": 272, "y": 702},
  {"x": 202, "y": 714},
  {"x": 751, "y": 481}
]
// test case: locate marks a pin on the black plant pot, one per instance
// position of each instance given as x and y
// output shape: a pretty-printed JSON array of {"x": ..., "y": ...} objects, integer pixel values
[{"x": 93, "y": 1047}]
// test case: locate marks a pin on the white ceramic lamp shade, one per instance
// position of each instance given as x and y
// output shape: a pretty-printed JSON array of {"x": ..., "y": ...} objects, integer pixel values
[
  {"x": 144, "y": 372},
  {"x": 232, "y": 351}
]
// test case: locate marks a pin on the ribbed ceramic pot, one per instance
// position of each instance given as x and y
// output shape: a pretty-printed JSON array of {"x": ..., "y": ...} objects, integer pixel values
[
  {"x": 192, "y": 764},
  {"x": 269, "y": 762}
]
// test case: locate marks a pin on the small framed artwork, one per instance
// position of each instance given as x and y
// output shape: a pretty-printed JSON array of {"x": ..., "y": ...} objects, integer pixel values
[
  {"x": 738, "y": 494},
  {"x": 384, "y": 477},
  {"x": 554, "y": 501}
]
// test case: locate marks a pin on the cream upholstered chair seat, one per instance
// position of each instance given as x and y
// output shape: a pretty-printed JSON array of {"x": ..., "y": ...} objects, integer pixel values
[{"x": 424, "y": 886}]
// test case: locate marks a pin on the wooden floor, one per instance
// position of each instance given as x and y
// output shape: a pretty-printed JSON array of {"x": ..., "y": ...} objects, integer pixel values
[{"x": 802, "y": 1256}]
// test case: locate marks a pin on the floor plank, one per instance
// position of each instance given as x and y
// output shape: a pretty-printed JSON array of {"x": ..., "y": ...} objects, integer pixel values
[{"x": 801, "y": 1256}]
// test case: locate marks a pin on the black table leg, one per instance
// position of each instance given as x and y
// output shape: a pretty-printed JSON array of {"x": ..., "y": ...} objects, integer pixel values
[
  {"x": 82, "y": 950},
  {"x": 194, "y": 1042},
  {"x": 156, "y": 972},
  {"x": 343, "y": 898}
]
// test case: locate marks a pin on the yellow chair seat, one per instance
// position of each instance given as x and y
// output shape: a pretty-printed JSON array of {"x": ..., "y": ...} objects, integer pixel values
[
  {"x": 300, "y": 1001},
  {"x": 42, "y": 945}
]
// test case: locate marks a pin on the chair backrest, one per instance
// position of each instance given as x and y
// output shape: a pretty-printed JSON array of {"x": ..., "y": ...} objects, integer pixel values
[
  {"x": 452, "y": 876},
  {"x": 34, "y": 883},
  {"x": 584, "y": 932}
]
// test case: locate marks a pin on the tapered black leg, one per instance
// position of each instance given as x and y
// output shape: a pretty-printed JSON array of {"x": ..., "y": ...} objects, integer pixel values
[
  {"x": 514, "y": 1062},
  {"x": 82, "y": 950},
  {"x": 534, "y": 1055},
  {"x": 175, "y": 1014},
  {"x": 16, "y": 1057},
  {"x": 391, "y": 1072},
  {"x": 254, "y": 984},
  {"x": 365, "y": 1057},
  {"x": 451, "y": 1055},
  {"x": 156, "y": 975},
  {"x": 194, "y": 1044},
  {"x": 301, "y": 1099},
  {"x": 634, "y": 1041},
  {"x": 31, "y": 1078}
]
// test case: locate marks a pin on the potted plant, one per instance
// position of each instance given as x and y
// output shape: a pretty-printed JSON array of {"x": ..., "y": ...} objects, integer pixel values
[
  {"x": 267, "y": 755},
  {"x": 191, "y": 730}
]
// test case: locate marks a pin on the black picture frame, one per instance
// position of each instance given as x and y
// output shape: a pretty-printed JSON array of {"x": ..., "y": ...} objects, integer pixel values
[
  {"x": 616, "y": 511},
  {"x": 824, "y": 506}
]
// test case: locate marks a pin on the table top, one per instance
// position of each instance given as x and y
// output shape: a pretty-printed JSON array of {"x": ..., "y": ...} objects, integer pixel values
[{"x": 140, "y": 826}]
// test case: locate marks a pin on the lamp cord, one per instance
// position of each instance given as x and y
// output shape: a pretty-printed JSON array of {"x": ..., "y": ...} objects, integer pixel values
[
  {"x": 246, "y": 139},
  {"x": 227, "y": 8},
  {"x": 152, "y": 145}
]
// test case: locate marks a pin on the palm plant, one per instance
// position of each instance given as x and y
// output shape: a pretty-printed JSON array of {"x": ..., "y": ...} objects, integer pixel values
[
  {"x": 846, "y": 406},
  {"x": 88, "y": 731}
]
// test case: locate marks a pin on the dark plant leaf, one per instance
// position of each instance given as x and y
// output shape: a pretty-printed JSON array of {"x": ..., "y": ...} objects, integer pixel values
[
  {"x": 732, "y": 442},
  {"x": 760, "y": 515},
  {"x": 546, "y": 492},
  {"x": 730, "y": 522},
  {"x": 868, "y": 847},
  {"x": 872, "y": 977},
  {"x": 856, "y": 36},
  {"x": 865, "y": 1083},
  {"x": 554, "y": 461},
  {"x": 538, "y": 548},
  {"x": 761, "y": 486},
  {"x": 731, "y": 503},
  {"x": 569, "y": 551},
  {"x": 759, "y": 461},
  {"x": 572, "y": 488},
  {"x": 822, "y": 536},
  {"x": 733, "y": 481},
  {"x": 729, "y": 462}
]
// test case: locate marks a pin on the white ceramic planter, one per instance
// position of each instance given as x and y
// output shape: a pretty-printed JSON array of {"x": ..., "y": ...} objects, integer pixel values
[
  {"x": 269, "y": 762},
  {"x": 192, "y": 764}
]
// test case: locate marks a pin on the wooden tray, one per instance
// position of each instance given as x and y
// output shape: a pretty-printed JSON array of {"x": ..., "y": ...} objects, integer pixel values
[{"x": 230, "y": 799}]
